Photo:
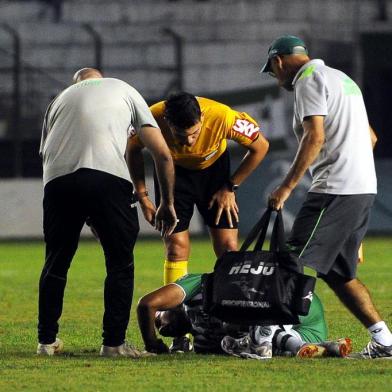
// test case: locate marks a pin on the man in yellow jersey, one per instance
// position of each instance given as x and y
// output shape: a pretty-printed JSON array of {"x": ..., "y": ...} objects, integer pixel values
[{"x": 196, "y": 130}]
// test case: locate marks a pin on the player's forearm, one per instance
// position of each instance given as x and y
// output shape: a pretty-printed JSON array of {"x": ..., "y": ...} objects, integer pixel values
[
  {"x": 135, "y": 162},
  {"x": 165, "y": 173},
  {"x": 153, "y": 140},
  {"x": 146, "y": 317}
]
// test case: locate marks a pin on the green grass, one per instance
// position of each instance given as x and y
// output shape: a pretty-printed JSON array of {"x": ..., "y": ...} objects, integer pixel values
[{"x": 81, "y": 368}]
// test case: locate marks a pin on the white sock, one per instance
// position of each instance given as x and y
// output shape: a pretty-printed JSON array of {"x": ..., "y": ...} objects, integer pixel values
[
  {"x": 261, "y": 334},
  {"x": 381, "y": 333},
  {"x": 295, "y": 342}
]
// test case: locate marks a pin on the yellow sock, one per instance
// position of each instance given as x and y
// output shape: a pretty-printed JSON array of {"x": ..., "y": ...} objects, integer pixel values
[{"x": 173, "y": 270}]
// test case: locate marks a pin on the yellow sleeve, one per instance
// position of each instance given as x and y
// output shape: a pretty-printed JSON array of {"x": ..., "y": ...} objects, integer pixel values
[
  {"x": 157, "y": 110},
  {"x": 242, "y": 128}
]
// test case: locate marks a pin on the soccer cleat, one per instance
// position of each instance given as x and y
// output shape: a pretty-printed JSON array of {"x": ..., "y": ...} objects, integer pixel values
[
  {"x": 181, "y": 345},
  {"x": 123, "y": 350},
  {"x": 312, "y": 350},
  {"x": 244, "y": 348},
  {"x": 373, "y": 350},
  {"x": 339, "y": 348},
  {"x": 50, "y": 349}
]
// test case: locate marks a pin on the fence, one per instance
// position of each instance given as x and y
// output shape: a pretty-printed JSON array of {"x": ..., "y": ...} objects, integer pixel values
[{"x": 26, "y": 90}]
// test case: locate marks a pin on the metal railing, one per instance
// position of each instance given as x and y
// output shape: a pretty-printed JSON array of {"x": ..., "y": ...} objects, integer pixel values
[{"x": 22, "y": 106}]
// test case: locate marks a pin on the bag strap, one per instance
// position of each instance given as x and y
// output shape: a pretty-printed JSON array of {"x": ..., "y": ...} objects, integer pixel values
[
  {"x": 278, "y": 242},
  {"x": 259, "y": 229}
]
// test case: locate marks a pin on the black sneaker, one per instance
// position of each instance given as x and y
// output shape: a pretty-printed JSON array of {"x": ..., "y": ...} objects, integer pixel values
[
  {"x": 373, "y": 350},
  {"x": 181, "y": 345}
]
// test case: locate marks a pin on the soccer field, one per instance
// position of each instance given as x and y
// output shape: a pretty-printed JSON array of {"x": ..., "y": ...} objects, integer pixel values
[{"x": 80, "y": 368}]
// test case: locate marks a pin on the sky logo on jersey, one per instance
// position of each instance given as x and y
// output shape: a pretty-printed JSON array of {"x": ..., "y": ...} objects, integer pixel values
[
  {"x": 246, "y": 128},
  {"x": 246, "y": 268}
]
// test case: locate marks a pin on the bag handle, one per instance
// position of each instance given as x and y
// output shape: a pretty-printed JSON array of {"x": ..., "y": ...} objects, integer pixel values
[
  {"x": 278, "y": 242},
  {"x": 260, "y": 229}
]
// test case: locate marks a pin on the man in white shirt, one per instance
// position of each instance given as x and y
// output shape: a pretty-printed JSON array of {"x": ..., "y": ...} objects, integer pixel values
[
  {"x": 83, "y": 147},
  {"x": 335, "y": 144}
]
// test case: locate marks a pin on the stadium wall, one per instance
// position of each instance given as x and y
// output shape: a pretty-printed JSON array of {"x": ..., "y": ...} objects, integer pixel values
[
  {"x": 21, "y": 206},
  {"x": 21, "y": 211}
]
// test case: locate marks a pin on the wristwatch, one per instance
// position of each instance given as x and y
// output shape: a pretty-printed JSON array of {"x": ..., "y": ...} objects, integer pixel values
[{"x": 231, "y": 186}]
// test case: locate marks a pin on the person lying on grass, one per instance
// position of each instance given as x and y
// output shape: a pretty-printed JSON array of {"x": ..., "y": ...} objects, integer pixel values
[{"x": 177, "y": 309}]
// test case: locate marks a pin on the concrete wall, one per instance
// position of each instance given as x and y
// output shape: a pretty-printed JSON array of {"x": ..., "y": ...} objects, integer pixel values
[
  {"x": 21, "y": 201},
  {"x": 21, "y": 211},
  {"x": 252, "y": 195}
]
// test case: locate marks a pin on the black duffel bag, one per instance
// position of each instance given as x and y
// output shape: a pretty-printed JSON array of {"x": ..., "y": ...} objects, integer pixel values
[{"x": 259, "y": 287}]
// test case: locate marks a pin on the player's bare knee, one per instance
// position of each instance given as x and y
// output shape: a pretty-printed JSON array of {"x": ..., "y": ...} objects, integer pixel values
[
  {"x": 230, "y": 244},
  {"x": 225, "y": 246}
]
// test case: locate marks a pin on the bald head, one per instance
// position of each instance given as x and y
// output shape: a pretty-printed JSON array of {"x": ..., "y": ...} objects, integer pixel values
[{"x": 86, "y": 73}]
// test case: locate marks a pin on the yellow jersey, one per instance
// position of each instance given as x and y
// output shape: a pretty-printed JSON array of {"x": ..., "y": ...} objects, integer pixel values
[{"x": 220, "y": 123}]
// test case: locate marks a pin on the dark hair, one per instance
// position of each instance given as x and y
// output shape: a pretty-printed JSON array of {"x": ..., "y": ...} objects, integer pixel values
[
  {"x": 173, "y": 322},
  {"x": 182, "y": 110}
]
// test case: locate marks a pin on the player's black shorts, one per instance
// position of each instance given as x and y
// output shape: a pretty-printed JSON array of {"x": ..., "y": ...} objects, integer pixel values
[
  {"x": 328, "y": 231},
  {"x": 196, "y": 187}
]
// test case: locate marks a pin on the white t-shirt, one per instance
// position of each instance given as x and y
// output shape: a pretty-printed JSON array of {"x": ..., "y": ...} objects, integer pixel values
[
  {"x": 345, "y": 165},
  {"x": 87, "y": 126}
]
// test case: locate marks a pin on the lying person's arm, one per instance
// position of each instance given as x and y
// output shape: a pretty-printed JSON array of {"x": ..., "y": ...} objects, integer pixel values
[{"x": 165, "y": 298}]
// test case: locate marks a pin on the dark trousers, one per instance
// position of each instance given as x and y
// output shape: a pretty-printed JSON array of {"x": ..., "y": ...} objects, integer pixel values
[{"x": 68, "y": 201}]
